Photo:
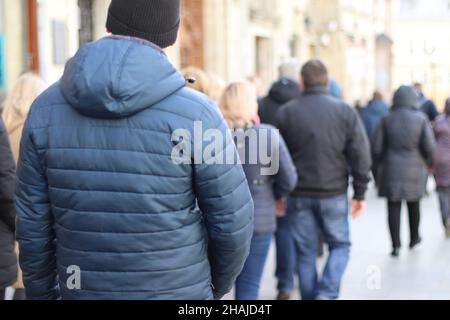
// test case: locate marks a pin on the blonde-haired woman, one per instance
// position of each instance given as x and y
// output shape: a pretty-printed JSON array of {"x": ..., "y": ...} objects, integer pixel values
[
  {"x": 239, "y": 107},
  {"x": 17, "y": 107}
]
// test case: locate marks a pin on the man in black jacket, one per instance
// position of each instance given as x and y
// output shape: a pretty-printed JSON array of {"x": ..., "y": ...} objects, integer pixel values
[{"x": 328, "y": 143}]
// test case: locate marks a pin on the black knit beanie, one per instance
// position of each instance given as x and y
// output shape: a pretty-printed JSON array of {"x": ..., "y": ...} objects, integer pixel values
[{"x": 157, "y": 21}]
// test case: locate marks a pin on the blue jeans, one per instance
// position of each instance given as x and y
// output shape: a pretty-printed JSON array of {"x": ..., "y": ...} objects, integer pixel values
[
  {"x": 285, "y": 256},
  {"x": 309, "y": 217},
  {"x": 248, "y": 282}
]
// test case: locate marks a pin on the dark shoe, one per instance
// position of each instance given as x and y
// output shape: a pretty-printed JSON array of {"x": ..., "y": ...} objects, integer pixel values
[
  {"x": 415, "y": 243},
  {"x": 395, "y": 252},
  {"x": 284, "y": 296}
]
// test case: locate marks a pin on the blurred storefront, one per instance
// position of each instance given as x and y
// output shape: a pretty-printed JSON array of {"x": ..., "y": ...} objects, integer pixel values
[
  {"x": 354, "y": 40},
  {"x": 367, "y": 44},
  {"x": 38, "y": 36},
  {"x": 422, "y": 46},
  {"x": 14, "y": 58},
  {"x": 234, "y": 39}
]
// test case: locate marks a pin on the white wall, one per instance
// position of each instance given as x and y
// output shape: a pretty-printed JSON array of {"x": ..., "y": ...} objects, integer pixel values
[
  {"x": 49, "y": 11},
  {"x": 421, "y": 51},
  {"x": 14, "y": 28}
]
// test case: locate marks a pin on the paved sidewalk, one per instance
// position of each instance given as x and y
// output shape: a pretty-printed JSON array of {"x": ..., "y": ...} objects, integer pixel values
[{"x": 372, "y": 274}]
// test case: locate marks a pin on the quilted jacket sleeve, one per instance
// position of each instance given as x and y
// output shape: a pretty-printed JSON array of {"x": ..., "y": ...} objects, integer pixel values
[
  {"x": 35, "y": 224},
  {"x": 225, "y": 200},
  {"x": 7, "y": 177}
]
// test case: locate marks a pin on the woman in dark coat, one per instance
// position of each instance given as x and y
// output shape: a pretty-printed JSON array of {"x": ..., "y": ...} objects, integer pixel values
[
  {"x": 441, "y": 166},
  {"x": 8, "y": 261},
  {"x": 402, "y": 148}
]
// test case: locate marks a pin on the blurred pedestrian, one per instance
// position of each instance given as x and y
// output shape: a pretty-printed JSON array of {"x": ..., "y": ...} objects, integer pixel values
[
  {"x": 374, "y": 112},
  {"x": 17, "y": 106},
  {"x": 402, "y": 148},
  {"x": 239, "y": 106},
  {"x": 282, "y": 91},
  {"x": 335, "y": 89},
  {"x": 441, "y": 167},
  {"x": 105, "y": 208},
  {"x": 327, "y": 142},
  {"x": 8, "y": 261},
  {"x": 425, "y": 104}
]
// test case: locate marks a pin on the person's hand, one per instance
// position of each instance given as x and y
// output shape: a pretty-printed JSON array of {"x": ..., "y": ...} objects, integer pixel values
[
  {"x": 280, "y": 208},
  {"x": 358, "y": 208}
]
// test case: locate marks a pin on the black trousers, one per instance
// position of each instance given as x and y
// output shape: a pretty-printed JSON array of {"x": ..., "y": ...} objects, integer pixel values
[
  {"x": 2, "y": 294},
  {"x": 395, "y": 209}
]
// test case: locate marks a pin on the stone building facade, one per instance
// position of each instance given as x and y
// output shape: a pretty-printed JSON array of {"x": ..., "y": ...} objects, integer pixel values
[
  {"x": 348, "y": 37},
  {"x": 232, "y": 39},
  {"x": 422, "y": 46}
]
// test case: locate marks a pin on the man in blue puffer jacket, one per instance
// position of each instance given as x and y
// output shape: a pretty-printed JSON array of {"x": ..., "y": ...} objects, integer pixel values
[{"x": 103, "y": 211}]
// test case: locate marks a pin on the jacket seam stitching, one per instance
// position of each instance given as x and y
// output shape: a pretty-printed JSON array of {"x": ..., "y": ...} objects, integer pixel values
[{"x": 127, "y": 233}]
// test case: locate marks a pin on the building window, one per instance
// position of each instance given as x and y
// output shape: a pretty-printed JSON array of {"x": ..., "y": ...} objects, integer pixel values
[{"x": 59, "y": 30}]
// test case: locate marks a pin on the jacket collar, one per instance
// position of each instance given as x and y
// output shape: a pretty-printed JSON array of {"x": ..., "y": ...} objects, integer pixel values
[
  {"x": 138, "y": 40},
  {"x": 315, "y": 90}
]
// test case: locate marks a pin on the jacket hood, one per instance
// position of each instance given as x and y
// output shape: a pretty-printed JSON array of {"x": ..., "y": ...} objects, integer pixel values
[
  {"x": 284, "y": 91},
  {"x": 116, "y": 77},
  {"x": 406, "y": 96}
]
